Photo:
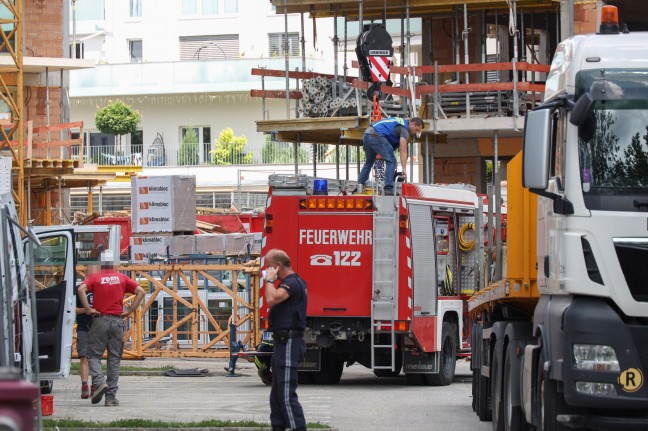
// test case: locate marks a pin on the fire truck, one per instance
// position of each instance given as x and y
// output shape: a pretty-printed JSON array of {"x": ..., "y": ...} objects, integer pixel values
[{"x": 387, "y": 276}]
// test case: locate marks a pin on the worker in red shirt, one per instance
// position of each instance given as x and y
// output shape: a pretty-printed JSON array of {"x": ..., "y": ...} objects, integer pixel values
[{"x": 107, "y": 331}]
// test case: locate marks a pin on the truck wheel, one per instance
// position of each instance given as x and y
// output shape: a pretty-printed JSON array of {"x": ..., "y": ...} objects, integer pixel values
[
  {"x": 550, "y": 402},
  {"x": 46, "y": 386},
  {"x": 397, "y": 368},
  {"x": 448, "y": 360},
  {"x": 496, "y": 391},
  {"x": 305, "y": 377},
  {"x": 481, "y": 396},
  {"x": 330, "y": 369},
  {"x": 513, "y": 416}
]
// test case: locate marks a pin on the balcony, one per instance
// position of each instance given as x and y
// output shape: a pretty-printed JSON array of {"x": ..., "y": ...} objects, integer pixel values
[
  {"x": 182, "y": 77},
  {"x": 173, "y": 154}
]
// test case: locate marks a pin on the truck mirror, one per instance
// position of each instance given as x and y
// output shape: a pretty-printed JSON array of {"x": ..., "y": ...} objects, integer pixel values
[
  {"x": 582, "y": 109},
  {"x": 536, "y": 149}
]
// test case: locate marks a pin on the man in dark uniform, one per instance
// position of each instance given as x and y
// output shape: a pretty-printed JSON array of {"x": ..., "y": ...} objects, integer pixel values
[
  {"x": 383, "y": 138},
  {"x": 287, "y": 321}
]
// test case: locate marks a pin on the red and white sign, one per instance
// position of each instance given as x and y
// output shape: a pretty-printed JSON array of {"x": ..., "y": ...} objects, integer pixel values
[{"x": 379, "y": 68}]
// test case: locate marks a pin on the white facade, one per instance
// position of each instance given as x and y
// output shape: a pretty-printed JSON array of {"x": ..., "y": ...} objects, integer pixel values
[{"x": 193, "y": 67}]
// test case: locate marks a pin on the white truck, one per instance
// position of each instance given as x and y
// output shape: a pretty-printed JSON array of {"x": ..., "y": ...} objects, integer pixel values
[
  {"x": 568, "y": 347},
  {"x": 37, "y": 303}
]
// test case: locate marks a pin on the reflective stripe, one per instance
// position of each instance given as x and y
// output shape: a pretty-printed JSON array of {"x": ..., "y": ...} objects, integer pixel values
[{"x": 289, "y": 412}]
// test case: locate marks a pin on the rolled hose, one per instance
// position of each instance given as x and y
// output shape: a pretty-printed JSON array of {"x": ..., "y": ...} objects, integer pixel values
[{"x": 465, "y": 245}]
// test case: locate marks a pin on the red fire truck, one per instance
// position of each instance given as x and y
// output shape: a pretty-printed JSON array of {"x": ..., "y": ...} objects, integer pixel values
[{"x": 387, "y": 275}]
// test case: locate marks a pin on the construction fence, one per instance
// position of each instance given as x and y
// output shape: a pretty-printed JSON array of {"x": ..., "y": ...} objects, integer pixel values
[{"x": 187, "y": 307}]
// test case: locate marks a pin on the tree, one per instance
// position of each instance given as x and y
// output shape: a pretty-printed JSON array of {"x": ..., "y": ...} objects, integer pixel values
[
  {"x": 229, "y": 149},
  {"x": 117, "y": 118},
  {"x": 188, "y": 151}
]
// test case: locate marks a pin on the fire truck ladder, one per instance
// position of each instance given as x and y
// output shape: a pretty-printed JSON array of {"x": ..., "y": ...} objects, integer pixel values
[{"x": 385, "y": 276}]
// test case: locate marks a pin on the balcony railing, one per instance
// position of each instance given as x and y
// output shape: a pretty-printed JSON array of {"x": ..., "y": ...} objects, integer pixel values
[{"x": 178, "y": 154}]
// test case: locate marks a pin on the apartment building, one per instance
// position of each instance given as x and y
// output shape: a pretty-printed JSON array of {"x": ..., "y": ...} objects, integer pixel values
[{"x": 185, "y": 65}]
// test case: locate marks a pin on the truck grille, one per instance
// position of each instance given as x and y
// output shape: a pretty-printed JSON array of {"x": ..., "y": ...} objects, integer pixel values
[{"x": 633, "y": 258}]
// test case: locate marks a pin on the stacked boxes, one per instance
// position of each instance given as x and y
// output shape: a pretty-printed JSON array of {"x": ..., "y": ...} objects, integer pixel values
[
  {"x": 163, "y": 204},
  {"x": 145, "y": 247},
  {"x": 163, "y": 216},
  {"x": 228, "y": 244}
]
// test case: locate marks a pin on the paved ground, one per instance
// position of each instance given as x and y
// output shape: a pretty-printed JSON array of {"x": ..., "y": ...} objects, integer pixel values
[{"x": 360, "y": 402}]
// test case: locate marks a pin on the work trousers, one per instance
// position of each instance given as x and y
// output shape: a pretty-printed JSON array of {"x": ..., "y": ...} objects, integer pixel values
[
  {"x": 373, "y": 144},
  {"x": 106, "y": 332},
  {"x": 285, "y": 410}
]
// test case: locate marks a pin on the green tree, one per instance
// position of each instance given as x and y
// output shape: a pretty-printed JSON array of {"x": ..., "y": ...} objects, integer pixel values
[
  {"x": 117, "y": 118},
  {"x": 230, "y": 149},
  {"x": 188, "y": 151}
]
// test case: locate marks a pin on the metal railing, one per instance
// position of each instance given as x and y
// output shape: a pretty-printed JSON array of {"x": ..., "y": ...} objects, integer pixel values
[{"x": 209, "y": 154}]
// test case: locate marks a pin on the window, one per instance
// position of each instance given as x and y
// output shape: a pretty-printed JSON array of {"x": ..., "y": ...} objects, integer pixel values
[
  {"x": 195, "y": 145},
  {"x": 189, "y": 7},
  {"x": 231, "y": 6},
  {"x": 135, "y": 50},
  {"x": 135, "y": 8},
  {"x": 209, "y": 7},
  {"x": 212, "y": 47},
  {"x": 277, "y": 45},
  {"x": 89, "y": 10}
]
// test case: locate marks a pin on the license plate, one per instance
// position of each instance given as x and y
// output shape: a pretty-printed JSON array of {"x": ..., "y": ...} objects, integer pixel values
[{"x": 267, "y": 336}]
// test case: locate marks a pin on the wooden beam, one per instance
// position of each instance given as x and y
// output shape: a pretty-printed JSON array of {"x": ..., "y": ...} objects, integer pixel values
[{"x": 306, "y": 124}]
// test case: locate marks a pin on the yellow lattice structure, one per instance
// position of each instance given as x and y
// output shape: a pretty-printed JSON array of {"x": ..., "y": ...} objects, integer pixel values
[
  {"x": 191, "y": 329},
  {"x": 11, "y": 93}
]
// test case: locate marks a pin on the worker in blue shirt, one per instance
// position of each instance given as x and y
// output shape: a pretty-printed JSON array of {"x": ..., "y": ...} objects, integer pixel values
[{"x": 384, "y": 137}]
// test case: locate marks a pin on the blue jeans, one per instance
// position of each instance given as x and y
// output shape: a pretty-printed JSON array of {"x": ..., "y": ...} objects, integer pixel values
[{"x": 373, "y": 144}]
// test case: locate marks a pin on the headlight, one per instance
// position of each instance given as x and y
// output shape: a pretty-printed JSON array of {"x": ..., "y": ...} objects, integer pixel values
[
  {"x": 595, "y": 357},
  {"x": 593, "y": 388}
]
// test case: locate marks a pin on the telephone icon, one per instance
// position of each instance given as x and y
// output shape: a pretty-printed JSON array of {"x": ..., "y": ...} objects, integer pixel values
[{"x": 321, "y": 260}]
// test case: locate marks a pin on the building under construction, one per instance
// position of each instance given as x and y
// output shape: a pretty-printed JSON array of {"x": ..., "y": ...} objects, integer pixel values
[{"x": 482, "y": 65}]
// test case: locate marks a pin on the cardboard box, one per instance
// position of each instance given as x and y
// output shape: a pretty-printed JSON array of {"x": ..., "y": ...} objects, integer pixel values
[
  {"x": 163, "y": 203},
  {"x": 210, "y": 243},
  {"x": 145, "y": 247}
]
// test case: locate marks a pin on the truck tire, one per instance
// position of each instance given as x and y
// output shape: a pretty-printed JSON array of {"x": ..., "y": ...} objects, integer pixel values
[
  {"x": 481, "y": 396},
  {"x": 550, "y": 402},
  {"x": 496, "y": 391},
  {"x": 330, "y": 372},
  {"x": 397, "y": 368},
  {"x": 448, "y": 359},
  {"x": 512, "y": 415},
  {"x": 305, "y": 377}
]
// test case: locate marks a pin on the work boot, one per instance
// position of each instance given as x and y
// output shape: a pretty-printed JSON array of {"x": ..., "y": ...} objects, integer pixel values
[
  {"x": 85, "y": 391},
  {"x": 98, "y": 394},
  {"x": 389, "y": 192},
  {"x": 112, "y": 402}
]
